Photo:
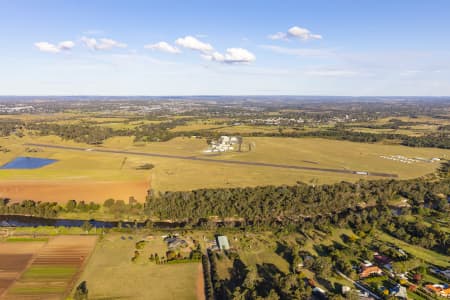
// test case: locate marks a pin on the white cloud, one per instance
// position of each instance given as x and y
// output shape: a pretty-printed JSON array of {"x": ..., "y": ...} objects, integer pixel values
[
  {"x": 164, "y": 47},
  {"x": 102, "y": 44},
  {"x": 89, "y": 42},
  {"x": 52, "y": 48},
  {"x": 192, "y": 43},
  {"x": 278, "y": 36},
  {"x": 296, "y": 32},
  {"x": 109, "y": 43},
  {"x": 47, "y": 47},
  {"x": 232, "y": 56},
  {"x": 66, "y": 45},
  {"x": 303, "y": 33}
]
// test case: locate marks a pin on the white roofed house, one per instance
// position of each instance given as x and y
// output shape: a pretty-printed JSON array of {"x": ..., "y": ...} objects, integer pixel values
[
  {"x": 225, "y": 140},
  {"x": 222, "y": 242}
]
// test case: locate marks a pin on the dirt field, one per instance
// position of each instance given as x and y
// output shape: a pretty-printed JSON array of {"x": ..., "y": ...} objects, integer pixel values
[
  {"x": 54, "y": 269},
  {"x": 14, "y": 259},
  {"x": 62, "y": 191}
]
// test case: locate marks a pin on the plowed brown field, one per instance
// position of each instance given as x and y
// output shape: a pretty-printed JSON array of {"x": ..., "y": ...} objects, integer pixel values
[
  {"x": 54, "y": 269},
  {"x": 14, "y": 259},
  {"x": 62, "y": 191}
]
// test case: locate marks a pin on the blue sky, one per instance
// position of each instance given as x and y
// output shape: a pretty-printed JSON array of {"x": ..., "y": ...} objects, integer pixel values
[{"x": 335, "y": 47}]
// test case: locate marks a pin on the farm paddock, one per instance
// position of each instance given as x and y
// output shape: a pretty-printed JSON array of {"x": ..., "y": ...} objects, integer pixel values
[
  {"x": 51, "y": 269},
  {"x": 111, "y": 273},
  {"x": 14, "y": 260}
]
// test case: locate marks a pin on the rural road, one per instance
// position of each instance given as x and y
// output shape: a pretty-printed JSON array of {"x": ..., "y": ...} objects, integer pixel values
[
  {"x": 360, "y": 286},
  {"x": 233, "y": 162}
]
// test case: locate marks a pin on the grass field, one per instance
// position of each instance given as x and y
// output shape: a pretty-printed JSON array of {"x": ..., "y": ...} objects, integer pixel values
[
  {"x": 46, "y": 272},
  {"x": 29, "y": 234},
  {"x": 410, "y": 132},
  {"x": 325, "y": 239},
  {"x": 258, "y": 249},
  {"x": 198, "y": 125},
  {"x": 110, "y": 273},
  {"x": 108, "y": 175},
  {"x": 25, "y": 239},
  {"x": 428, "y": 256},
  {"x": 339, "y": 155},
  {"x": 419, "y": 126}
]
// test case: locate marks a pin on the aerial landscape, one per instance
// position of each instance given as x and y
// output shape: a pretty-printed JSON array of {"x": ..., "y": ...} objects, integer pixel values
[{"x": 139, "y": 161}]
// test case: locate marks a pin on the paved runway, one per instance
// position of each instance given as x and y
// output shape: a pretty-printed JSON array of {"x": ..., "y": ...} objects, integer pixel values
[{"x": 234, "y": 162}]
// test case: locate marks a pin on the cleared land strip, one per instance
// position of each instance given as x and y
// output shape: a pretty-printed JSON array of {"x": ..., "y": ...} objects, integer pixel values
[{"x": 235, "y": 162}]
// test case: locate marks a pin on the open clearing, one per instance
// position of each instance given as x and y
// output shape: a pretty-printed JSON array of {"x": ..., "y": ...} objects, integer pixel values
[
  {"x": 340, "y": 155},
  {"x": 221, "y": 161},
  {"x": 111, "y": 274},
  {"x": 46, "y": 270},
  {"x": 427, "y": 255},
  {"x": 93, "y": 176},
  {"x": 259, "y": 249}
]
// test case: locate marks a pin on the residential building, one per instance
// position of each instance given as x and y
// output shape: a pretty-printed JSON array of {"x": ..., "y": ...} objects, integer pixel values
[
  {"x": 442, "y": 290},
  {"x": 222, "y": 242},
  {"x": 370, "y": 271},
  {"x": 399, "y": 292}
]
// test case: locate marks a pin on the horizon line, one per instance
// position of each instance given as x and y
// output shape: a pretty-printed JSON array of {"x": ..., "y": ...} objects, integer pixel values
[{"x": 222, "y": 95}]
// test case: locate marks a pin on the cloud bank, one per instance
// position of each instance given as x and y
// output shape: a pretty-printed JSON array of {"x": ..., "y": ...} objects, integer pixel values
[{"x": 230, "y": 56}]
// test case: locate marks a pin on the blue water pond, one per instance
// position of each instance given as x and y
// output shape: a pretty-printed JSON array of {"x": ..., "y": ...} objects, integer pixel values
[{"x": 28, "y": 163}]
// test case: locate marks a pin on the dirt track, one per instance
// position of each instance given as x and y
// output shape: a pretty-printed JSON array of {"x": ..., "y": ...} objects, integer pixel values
[
  {"x": 200, "y": 284},
  {"x": 235, "y": 162}
]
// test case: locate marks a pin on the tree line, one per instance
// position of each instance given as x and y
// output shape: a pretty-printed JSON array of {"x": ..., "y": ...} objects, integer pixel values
[
  {"x": 8, "y": 127},
  {"x": 159, "y": 132},
  {"x": 94, "y": 134},
  {"x": 363, "y": 206},
  {"x": 435, "y": 140},
  {"x": 290, "y": 203},
  {"x": 360, "y": 205}
]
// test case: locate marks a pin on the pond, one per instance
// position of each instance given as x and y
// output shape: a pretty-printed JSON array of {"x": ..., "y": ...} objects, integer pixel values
[{"x": 23, "y": 162}]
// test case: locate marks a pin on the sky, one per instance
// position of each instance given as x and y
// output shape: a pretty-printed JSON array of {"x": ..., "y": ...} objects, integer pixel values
[{"x": 246, "y": 47}]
